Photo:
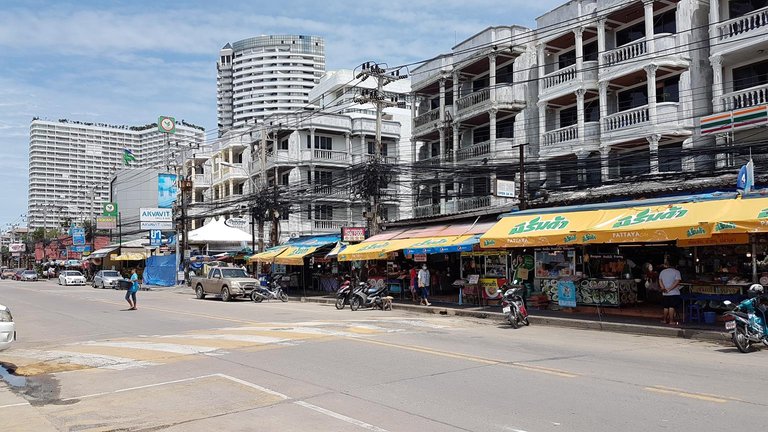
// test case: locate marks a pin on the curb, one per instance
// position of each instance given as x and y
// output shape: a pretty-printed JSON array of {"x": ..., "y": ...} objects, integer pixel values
[{"x": 693, "y": 334}]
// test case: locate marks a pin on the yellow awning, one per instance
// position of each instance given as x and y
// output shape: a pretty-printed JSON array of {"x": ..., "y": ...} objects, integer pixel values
[
  {"x": 375, "y": 250},
  {"x": 661, "y": 223},
  {"x": 551, "y": 229},
  {"x": 294, "y": 255},
  {"x": 133, "y": 256},
  {"x": 743, "y": 216},
  {"x": 267, "y": 256}
]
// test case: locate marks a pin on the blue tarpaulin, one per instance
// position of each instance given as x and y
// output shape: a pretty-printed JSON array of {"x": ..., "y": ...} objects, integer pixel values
[
  {"x": 160, "y": 271},
  {"x": 316, "y": 241}
]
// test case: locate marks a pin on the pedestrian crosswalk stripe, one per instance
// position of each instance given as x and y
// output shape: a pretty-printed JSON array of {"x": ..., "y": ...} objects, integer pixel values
[
  {"x": 249, "y": 339},
  {"x": 155, "y": 346},
  {"x": 83, "y": 359}
]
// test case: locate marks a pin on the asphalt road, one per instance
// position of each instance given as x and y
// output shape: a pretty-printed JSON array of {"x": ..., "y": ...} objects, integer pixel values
[{"x": 182, "y": 364}]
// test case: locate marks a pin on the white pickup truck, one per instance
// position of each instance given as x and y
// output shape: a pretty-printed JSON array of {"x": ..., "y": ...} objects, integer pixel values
[{"x": 225, "y": 282}]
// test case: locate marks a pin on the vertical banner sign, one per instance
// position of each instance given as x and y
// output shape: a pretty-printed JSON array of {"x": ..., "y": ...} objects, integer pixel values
[
  {"x": 566, "y": 294},
  {"x": 78, "y": 236},
  {"x": 166, "y": 190}
]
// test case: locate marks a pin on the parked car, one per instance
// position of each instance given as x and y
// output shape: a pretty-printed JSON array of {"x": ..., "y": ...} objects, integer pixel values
[
  {"x": 71, "y": 277},
  {"x": 8, "y": 273},
  {"x": 226, "y": 282},
  {"x": 17, "y": 275},
  {"x": 28, "y": 276},
  {"x": 7, "y": 328},
  {"x": 107, "y": 279}
]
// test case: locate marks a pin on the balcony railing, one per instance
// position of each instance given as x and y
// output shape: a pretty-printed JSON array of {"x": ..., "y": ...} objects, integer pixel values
[
  {"x": 564, "y": 134},
  {"x": 560, "y": 76},
  {"x": 474, "y": 203},
  {"x": 427, "y": 117},
  {"x": 430, "y": 161},
  {"x": 330, "y": 225},
  {"x": 202, "y": 180},
  {"x": 473, "y": 151},
  {"x": 330, "y": 191},
  {"x": 627, "y": 118},
  {"x": 626, "y": 52},
  {"x": 743, "y": 25},
  {"x": 473, "y": 98},
  {"x": 745, "y": 98},
  {"x": 331, "y": 155},
  {"x": 386, "y": 159},
  {"x": 426, "y": 210}
]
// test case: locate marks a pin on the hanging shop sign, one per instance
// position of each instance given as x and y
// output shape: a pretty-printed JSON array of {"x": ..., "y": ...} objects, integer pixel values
[
  {"x": 352, "y": 234},
  {"x": 420, "y": 257},
  {"x": 106, "y": 222},
  {"x": 155, "y": 215},
  {"x": 78, "y": 236},
  {"x": 236, "y": 222},
  {"x": 152, "y": 225}
]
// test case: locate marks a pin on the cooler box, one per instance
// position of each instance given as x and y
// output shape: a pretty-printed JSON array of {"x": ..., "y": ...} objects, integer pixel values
[{"x": 710, "y": 317}]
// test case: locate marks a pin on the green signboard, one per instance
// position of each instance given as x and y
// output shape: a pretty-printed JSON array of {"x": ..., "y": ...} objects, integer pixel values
[
  {"x": 109, "y": 209},
  {"x": 166, "y": 124}
]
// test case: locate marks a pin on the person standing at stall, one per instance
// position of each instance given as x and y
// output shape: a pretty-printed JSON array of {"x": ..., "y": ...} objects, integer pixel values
[
  {"x": 669, "y": 282},
  {"x": 414, "y": 285},
  {"x": 424, "y": 285}
]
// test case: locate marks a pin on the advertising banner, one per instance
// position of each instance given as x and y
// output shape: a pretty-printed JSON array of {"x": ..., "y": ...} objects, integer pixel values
[
  {"x": 78, "y": 236},
  {"x": 17, "y": 247},
  {"x": 566, "y": 294},
  {"x": 166, "y": 190},
  {"x": 106, "y": 222},
  {"x": 153, "y": 225},
  {"x": 352, "y": 234},
  {"x": 155, "y": 215}
]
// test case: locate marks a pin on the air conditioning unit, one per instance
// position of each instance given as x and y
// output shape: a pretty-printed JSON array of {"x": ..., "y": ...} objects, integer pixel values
[{"x": 294, "y": 235}]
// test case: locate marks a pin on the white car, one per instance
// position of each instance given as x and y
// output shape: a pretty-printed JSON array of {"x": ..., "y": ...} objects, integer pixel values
[
  {"x": 71, "y": 277},
  {"x": 7, "y": 328}
]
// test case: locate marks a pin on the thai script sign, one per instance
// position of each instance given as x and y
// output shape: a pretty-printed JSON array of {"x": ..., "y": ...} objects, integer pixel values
[
  {"x": 537, "y": 224},
  {"x": 646, "y": 216}
]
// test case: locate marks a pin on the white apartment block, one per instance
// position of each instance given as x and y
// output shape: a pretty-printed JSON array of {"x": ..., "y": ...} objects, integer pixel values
[
  {"x": 71, "y": 164},
  {"x": 266, "y": 76},
  {"x": 470, "y": 106}
]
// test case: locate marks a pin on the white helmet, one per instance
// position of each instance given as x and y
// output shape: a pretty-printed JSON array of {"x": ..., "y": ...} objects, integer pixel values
[{"x": 755, "y": 290}]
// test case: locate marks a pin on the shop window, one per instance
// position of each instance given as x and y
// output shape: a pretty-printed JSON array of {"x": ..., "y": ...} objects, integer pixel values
[
  {"x": 323, "y": 212},
  {"x": 665, "y": 22},
  {"x": 633, "y": 98},
  {"x": 630, "y": 34},
  {"x": 751, "y": 75},
  {"x": 737, "y": 8}
]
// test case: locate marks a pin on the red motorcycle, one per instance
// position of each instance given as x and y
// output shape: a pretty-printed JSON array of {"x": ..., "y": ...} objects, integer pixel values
[{"x": 513, "y": 306}]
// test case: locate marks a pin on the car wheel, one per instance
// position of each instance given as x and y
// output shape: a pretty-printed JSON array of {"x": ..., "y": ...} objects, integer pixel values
[
  {"x": 225, "y": 294},
  {"x": 199, "y": 293},
  {"x": 103, "y": 285}
]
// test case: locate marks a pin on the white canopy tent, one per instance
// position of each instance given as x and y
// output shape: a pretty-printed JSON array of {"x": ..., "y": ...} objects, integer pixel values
[{"x": 216, "y": 231}]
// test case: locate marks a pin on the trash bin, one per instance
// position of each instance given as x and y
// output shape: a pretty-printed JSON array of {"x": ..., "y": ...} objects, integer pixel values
[
  {"x": 710, "y": 317},
  {"x": 124, "y": 284}
]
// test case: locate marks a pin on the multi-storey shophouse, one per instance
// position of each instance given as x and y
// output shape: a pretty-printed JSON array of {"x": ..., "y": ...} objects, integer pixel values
[{"x": 469, "y": 109}]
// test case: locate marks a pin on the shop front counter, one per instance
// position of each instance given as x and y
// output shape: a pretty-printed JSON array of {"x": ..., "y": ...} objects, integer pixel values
[
  {"x": 699, "y": 297},
  {"x": 595, "y": 292}
]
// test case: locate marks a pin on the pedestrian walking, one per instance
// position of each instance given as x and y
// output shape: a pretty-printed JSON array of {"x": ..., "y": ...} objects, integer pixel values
[
  {"x": 424, "y": 285},
  {"x": 130, "y": 293}
]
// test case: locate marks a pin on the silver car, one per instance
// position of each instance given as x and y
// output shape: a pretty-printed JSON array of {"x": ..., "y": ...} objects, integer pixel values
[
  {"x": 7, "y": 328},
  {"x": 107, "y": 279},
  {"x": 28, "y": 275}
]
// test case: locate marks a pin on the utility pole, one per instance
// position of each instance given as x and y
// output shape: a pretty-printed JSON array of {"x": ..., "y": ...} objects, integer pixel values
[
  {"x": 379, "y": 99},
  {"x": 186, "y": 187},
  {"x": 523, "y": 204}
]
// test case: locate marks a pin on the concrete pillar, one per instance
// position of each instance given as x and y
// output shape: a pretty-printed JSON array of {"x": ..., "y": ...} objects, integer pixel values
[
  {"x": 456, "y": 136},
  {"x": 581, "y": 167},
  {"x": 541, "y": 60},
  {"x": 600, "y": 41},
  {"x": 542, "y": 121},
  {"x": 605, "y": 153},
  {"x": 492, "y": 126},
  {"x": 653, "y": 146},
  {"x": 650, "y": 71},
  {"x": 717, "y": 83},
  {"x": 578, "y": 32},
  {"x": 648, "y": 10},
  {"x": 492, "y": 76},
  {"x": 442, "y": 100},
  {"x": 456, "y": 95},
  {"x": 580, "y": 113},
  {"x": 348, "y": 144},
  {"x": 312, "y": 141},
  {"x": 441, "y": 155},
  {"x": 714, "y": 17},
  {"x": 603, "y": 96}
]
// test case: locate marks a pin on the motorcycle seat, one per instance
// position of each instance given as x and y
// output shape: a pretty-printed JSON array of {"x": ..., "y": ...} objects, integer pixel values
[{"x": 740, "y": 314}]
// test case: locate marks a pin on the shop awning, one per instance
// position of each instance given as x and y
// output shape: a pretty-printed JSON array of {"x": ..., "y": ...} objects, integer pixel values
[
  {"x": 340, "y": 246},
  {"x": 551, "y": 229},
  {"x": 294, "y": 255},
  {"x": 747, "y": 215},
  {"x": 443, "y": 245},
  {"x": 101, "y": 253},
  {"x": 268, "y": 255},
  {"x": 670, "y": 222},
  {"x": 132, "y": 256},
  {"x": 373, "y": 250}
]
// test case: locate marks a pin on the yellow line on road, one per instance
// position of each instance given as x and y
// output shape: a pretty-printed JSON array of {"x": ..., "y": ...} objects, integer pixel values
[
  {"x": 482, "y": 360},
  {"x": 685, "y": 394}
]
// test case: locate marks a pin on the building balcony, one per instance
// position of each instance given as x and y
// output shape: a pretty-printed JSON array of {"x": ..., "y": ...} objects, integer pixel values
[
  {"x": 333, "y": 226},
  {"x": 331, "y": 193},
  {"x": 746, "y": 98},
  {"x": 507, "y": 97},
  {"x": 566, "y": 80},
  {"x": 636, "y": 55},
  {"x": 426, "y": 123},
  {"x": 475, "y": 151},
  {"x": 566, "y": 140},
  {"x": 741, "y": 32},
  {"x": 229, "y": 173},
  {"x": 637, "y": 123},
  {"x": 202, "y": 181},
  {"x": 365, "y": 158},
  {"x": 452, "y": 206},
  {"x": 329, "y": 156}
]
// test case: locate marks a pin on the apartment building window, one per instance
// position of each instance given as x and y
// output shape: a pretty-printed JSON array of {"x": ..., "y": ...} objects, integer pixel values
[
  {"x": 372, "y": 148},
  {"x": 670, "y": 158},
  {"x": 506, "y": 75},
  {"x": 633, "y": 98},
  {"x": 665, "y": 22},
  {"x": 323, "y": 212},
  {"x": 750, "y": 76},
  {"x": 323, "y": 179},
  {"x": 592, "y": 110},
  {"x": 569, "y": 58},
  {"x": 668, "y": 90},
  {"x": 737, "y": 8},
  {"x": 483, "y": 133},
  {"x": 506, "y": 128},
  {"x": 283, "y": 144},
  {"x": 321, "y": 142},
  {"x": 284, "y": 179},
  {"x": 481, "y": 187},
  {"x": 568, "y": 116},
  {"x": 479, "y": 84},
  {"x": 630, "y": 34}
]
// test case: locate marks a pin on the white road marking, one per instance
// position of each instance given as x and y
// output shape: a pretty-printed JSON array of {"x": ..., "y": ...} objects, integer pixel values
[
  {"x": 90, "y": 360},
  {"x": 155, "y": 346},
  {"x": 252, "y": 385},
  {"x": 14, "y": 405},
  {"x": 341, "y": 417},
  {"x": 237, "y": 338}
]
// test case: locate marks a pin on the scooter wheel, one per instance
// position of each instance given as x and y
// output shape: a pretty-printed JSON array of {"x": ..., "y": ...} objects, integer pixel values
[
  {"x": 340, "y": 303},
  {"x": 741, "y": 340},
  {"x": 512, "y": 318},
  {"x": 256, "y": 298},
  {"x": 526, "y": 322},
  {"x": 355, "y": 303}
]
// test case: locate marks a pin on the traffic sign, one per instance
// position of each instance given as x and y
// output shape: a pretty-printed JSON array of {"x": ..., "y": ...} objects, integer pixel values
[
  {"x": 155, "y": 238},
  {"x": 166, "y": 124}
]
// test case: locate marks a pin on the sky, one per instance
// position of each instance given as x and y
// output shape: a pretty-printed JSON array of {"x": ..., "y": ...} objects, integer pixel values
[{"x": 126, "y": 62}]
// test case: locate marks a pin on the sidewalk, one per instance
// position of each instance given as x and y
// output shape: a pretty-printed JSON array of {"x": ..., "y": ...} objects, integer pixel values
[{"x": 620, "y": 324}]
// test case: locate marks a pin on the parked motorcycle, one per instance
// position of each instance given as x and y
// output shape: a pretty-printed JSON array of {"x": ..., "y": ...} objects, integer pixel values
[
  {"x": 513, "y": 306},
  {"x": 748, "y": 325},
  {"x": 343, "y": 294},
  {"x": 367, "y": 296},
  {"x": 261, "y": 293}
]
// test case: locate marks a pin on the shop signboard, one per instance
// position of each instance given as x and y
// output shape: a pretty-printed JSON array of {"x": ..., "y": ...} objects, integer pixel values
[
  {"x": 716, "y": 239},
  {"x": 166, "y": 124},
  {"x": 78, "y": 236},
  {"x": 492, "y": 287},
  {"x": 352, "y": 234},
  {"x": 155, "y": 237},
  {"x": 109, "y": 209},
  {"x": 155, "y": 215},
  {"x": 80, "y": 248},
  {"x": 566, "y": 293},
  {"x": 505, "y": 189},
  {"x": 420, "y": 258},
  {"x": 106, "y": 222},
  {"x": 152, "y": 225},
  {"x": 17, "y": 247},
  {"x": 236, "y": 222}
]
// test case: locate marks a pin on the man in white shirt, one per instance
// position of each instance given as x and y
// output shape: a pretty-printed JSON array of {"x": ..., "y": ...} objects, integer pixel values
[
  {"x": 669, "y": 282},
  {"x": 423, "y": 278}
]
